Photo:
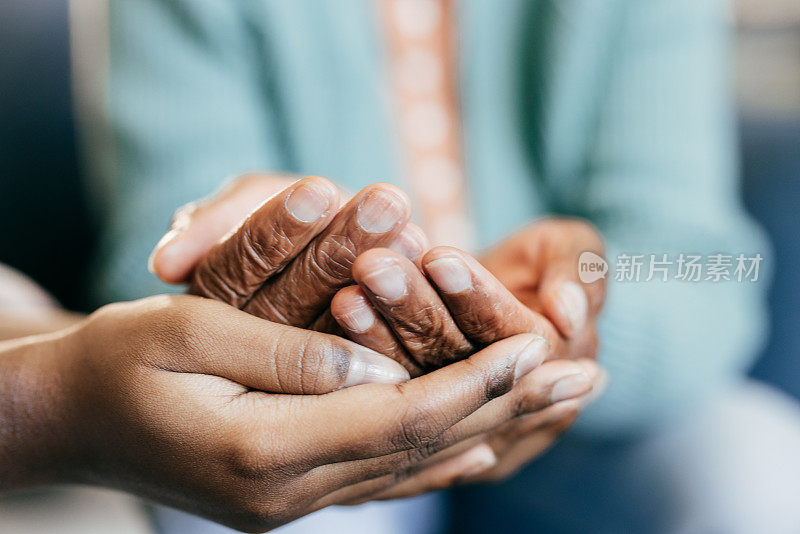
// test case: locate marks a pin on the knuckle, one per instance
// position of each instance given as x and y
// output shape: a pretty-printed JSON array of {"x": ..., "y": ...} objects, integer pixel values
[
  {"x": 429, "y": 334},
  {"x": 417, "y": 428},
  {"x": 264, "y": 249},
  {"x": 425, "y": 321},
  {"x": 253, "y": 249},
  {"x": 332, "y": 258},
  {"x": 248, "y": 461},
  {"x": 211, "y": 280},
  {"x": 254, "y": 456},
  {"x": 188, "y": 330},
  {"x": 524, "y": 402},
  {"x": 273, "y": 306},
  {"x": 379, "y": 467},
  {"x": 484, "y": 324},
  {"x": 411, "y": 459},
  {"x": 405, "y": 468},
  {"x": 108, "y": 312},
  {"x": 316, "y": 367},
  {"x": 162, "y": 328},
  {"x": 275, "y": 512},
  {"x": 179, "y": 328},
  {"x": 497, "y": 382},
  {"x": 290, "y": 369}
]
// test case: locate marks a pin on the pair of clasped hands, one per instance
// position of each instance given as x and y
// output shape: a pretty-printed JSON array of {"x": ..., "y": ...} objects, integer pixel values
[{"x": 346, "y": 360}]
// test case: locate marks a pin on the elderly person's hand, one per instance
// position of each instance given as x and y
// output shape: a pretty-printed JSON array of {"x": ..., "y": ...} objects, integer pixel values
[
  {"x": 424, "y": 326},
  {"x": 528, "y": 284},
  {"x": 279, "y": 252},
  {"x": 461, "y": 306},
  {"x": 195, "y": 404},
  {"x": 539, "y": 265}
]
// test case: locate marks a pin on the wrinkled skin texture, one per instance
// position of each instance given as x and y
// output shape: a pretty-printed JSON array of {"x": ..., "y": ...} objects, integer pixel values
[
  {"x": 274, "y": 265},
  {"x": 152, "y": 397},
  {"x": 515, "y": 288},
  {"x": 427, "y": 327},
  {"x": 423, "y": 324}
]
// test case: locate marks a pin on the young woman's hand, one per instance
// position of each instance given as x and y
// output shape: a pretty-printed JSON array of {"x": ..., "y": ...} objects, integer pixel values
[{"x": 192, "y": 403}]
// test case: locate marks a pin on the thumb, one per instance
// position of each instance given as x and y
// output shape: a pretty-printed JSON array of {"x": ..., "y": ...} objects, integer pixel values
[
  {"x": 198, "y": 226},
  {"x": 276, "y": 358},
  {"x": 567, "y": 301}
]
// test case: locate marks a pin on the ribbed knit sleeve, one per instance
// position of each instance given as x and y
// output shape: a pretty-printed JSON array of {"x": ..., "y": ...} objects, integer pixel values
[
  {"x": 660, "y": 179},
  {"x": 630, "y": 126},
  {"x": 185, "y": 104}
]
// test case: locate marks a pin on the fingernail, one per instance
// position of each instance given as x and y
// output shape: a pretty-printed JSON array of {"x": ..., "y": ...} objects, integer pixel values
[
  {"x": 530, "y": 357},
  {"x": 151, "y": 262},
  {"x": 367, "y": 367},
  {"x": 600, "y": 385},
  {"x": 477, "y": 460},
  {"x": 379, "y": 212},
  {"x": 409, "y": 244},
  {"x": 357, "y": 318},
  {"x": 570, "y": 387},
  {"x": 574, "y": 304},
  {"x": 168, "y": 238},
  {"x": 451, "y": 275},
  {"x": 308, "y": 202},
  {"x": 388, "y": 281}
]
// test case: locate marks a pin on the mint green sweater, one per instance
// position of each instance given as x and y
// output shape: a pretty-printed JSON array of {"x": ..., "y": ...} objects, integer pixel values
[{"x": 616, "y": 110}]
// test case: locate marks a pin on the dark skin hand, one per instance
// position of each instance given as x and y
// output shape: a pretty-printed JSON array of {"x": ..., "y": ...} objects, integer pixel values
[
  {"x": 288, "y": 258},
  {"x": 286, "y": 269},
  {"x": 457, "y": 305},
  {"x": 425, "y": 325},
  {"x": 528, "y": 283},
  {"x": 256, "y": 424},
  {"x": 252, "y": 426}
]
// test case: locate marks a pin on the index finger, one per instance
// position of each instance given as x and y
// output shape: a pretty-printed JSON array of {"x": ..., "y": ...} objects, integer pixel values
[
  {"x": 299, "y": 294},
  {"x": 483, "y": 308},
  {"x": 266, "y": 241},
  {"x": 376, "y": 420}
]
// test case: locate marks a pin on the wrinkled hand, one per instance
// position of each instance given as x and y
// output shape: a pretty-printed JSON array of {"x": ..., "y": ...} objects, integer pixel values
[
  {"x": 431, "y": 325},
  {"x": 288, "y": 258},
  {"x": 424, "y": 323},
  {"x": 155, "y": 398},
  {"x": 539, "y": 266},
  {"x": 527, "y": 284}
]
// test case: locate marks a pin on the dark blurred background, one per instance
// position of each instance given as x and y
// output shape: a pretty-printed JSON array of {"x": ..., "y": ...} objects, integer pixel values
[
  {"x": 46, "y": 230},
  {"x": 768, "y": 90}
]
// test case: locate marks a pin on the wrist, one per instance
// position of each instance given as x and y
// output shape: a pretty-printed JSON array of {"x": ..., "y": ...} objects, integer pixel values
[
  {"x": 35, "y": 442},
  {"x": 14, "y": 324}
]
